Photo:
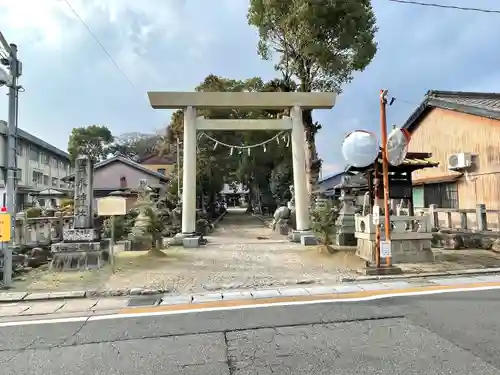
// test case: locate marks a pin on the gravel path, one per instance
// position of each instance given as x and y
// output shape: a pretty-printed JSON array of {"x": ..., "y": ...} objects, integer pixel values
[{"x": 241, "y": 253}]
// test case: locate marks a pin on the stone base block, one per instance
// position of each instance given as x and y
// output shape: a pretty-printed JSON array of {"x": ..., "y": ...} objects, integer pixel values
[
  {"x": 81, "y": 235},
  {"x": 178, "y": 239},
  {"x": 308, "y": 240},
  {"x": 377, "y": 271},
  {"x": 78, "y": 255},
  {"x": 297, "y": 234},
  {"x": 191, "y": 242},
  {"x": 345, "y": 239},
  {"x": 72, "y": 247}
]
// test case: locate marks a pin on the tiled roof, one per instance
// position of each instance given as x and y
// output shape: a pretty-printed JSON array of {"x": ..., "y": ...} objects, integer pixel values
[{"x": 474, "y": 103}]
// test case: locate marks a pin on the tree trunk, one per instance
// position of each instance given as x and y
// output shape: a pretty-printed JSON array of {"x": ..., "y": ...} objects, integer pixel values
[{"x": 313, "y": 163}]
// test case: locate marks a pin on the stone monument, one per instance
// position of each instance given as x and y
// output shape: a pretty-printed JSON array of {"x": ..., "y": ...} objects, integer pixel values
[
  {"x": 345, "y": 224},
  {"x": 81, "y": 246}
]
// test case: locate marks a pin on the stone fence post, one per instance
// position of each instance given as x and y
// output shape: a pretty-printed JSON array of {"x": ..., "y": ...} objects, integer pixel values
[
  {"x": 481, "y": 220},
  {"x": 433, "y": 217}
]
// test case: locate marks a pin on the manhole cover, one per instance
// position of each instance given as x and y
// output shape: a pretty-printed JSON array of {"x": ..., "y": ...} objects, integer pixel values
[{"x": 143, "y": 301}]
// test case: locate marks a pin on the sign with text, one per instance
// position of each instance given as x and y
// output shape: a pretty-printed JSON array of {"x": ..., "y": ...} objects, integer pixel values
[
  {"x": 111, "y": 206},
  {"x": 5, "y": 232},
  {"x": 385, "y": 249}
]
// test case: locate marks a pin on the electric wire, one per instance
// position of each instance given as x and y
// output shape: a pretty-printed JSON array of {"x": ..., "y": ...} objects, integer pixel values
[{"x": 443, "y": 6}]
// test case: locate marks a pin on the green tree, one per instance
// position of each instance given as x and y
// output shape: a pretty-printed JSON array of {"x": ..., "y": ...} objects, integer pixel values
[
  {"x": 91, "y": 140},
  {"x": 321, "y": 42},
  {"x": 216, "y": 166}
]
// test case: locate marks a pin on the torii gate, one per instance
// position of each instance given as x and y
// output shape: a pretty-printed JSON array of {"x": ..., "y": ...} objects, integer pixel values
[{"x": 295, "y": 101}]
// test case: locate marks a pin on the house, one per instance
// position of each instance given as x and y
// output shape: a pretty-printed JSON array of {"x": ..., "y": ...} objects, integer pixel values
[
  {"x": 40, "y": 166},
  {"x": 462, "y": 131},
  {"x": 122, "y": 173},
  {"x": 161, "y": 164},
  {"x": 326, "y": 186}
]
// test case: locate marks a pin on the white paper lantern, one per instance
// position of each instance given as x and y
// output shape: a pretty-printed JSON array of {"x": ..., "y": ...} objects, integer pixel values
[
  {"x": 397, "y": 146},
  {"x": 360, "y": 148}
]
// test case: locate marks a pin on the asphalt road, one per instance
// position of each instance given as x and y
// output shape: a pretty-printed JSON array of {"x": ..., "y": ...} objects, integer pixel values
[{"x": 455, "y": 333}]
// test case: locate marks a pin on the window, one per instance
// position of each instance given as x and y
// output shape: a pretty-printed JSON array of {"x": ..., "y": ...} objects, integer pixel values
[
  {"x": 161, "y": 170},
  {"x": 54, "y": 181},
  {"x": 53, "y": 162},
  {"x": 443, "y": 195},
  {"x": 34, "y": 155},
  {"x": 62, "y": 166},
  {"x": 37, "y": 177},
  {"x": 46, "y": 180},
  {"x": 123, "y": 182},
  {"x": 45, "y": 159}
]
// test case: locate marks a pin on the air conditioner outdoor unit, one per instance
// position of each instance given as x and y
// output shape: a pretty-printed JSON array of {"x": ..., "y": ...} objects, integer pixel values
[{"x": 460, "y": 160}]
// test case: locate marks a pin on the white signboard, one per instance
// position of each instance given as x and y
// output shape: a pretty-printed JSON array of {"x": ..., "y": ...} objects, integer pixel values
[
  {"x": 111, "y": 206},
  {"x": 385, "y": 249},
  {"x": 376, "y": 215}
]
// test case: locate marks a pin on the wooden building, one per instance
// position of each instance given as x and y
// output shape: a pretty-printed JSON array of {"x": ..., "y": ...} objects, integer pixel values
[{"x": 462, "y": 131}]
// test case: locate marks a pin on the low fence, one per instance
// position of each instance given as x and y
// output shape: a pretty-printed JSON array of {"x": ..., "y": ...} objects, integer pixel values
[
  {"x": 40, "y": 231},
  {"x": 474, "y": 219}
]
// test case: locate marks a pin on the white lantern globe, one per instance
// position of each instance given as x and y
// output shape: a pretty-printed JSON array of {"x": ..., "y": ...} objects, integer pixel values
[
  {"x": 397, "y": 146},
  {"x": 360, "y": 148}
]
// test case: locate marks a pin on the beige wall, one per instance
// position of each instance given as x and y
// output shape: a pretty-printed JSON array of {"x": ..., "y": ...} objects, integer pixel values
[
  {"x": 154, "y": 167},
  {"x": 443, "y": 132}
]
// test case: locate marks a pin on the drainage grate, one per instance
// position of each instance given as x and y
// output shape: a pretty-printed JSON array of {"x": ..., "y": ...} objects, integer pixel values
[{"x": 144, "y": 301}]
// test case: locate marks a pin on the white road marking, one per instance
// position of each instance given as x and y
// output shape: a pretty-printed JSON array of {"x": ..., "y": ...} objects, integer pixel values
[{"x": 90, "y": 319}]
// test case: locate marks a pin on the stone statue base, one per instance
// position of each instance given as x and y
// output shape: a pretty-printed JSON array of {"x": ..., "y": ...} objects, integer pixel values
[
  {"x": 79, "y": 256},
  {"x": 345, "y": 228}
]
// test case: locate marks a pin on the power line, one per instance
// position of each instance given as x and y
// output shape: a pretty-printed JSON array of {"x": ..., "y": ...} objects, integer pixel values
[
  {"x": 456, "y": 7},
  {"x": 105, "y": 51}
]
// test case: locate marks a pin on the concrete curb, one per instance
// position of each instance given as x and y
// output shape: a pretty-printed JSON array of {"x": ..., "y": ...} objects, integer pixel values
[
  {"x": 13, "y": 297},
  {"x": 341, "y": 291},
  {"x": 470, "y": 272}
]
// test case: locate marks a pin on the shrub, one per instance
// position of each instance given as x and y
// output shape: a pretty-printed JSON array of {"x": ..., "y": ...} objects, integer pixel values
[
  {"x": 323, "y": 218},
  {"x": 33, "y": 212}
]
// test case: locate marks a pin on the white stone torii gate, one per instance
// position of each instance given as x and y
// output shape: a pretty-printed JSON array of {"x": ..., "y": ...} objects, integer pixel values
[{"x": 190, "y": 101}]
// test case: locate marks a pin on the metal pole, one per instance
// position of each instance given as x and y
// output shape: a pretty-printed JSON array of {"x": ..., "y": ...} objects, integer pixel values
[
  {"x": 385, "y": 168},
  {"x": 11, "y": 160}
]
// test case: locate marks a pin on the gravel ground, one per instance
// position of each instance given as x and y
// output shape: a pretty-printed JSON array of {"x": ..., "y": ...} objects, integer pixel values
[{"x": 242, "y": 253}]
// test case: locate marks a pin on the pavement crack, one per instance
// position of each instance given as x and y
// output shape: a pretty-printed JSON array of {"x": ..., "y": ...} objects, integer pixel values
[
  {"x": 50, "y": 347},
  {"x": 202, "y": 332},
  {"x": 229, "y": 357}
]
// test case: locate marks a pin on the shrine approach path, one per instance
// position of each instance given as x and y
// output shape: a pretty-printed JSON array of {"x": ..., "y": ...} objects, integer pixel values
[{"x": 241, "y": 253}]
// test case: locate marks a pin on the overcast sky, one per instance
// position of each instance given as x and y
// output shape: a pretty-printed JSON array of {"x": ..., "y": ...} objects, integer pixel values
[{"x": 174, "y": 44}]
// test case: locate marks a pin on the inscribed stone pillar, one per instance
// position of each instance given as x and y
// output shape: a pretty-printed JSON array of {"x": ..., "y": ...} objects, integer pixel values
[{"x": 84, "y": 193}]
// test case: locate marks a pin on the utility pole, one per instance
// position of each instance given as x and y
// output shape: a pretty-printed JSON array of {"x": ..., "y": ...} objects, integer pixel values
[
  {"x": 15, "y": 72},
  {"x": 385, "y": 170}
]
